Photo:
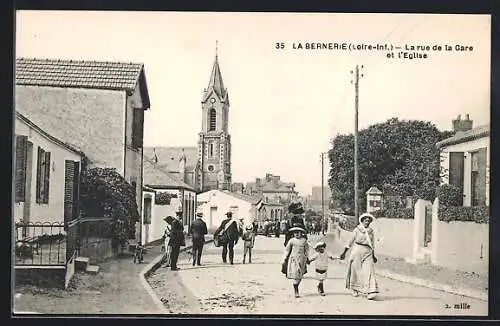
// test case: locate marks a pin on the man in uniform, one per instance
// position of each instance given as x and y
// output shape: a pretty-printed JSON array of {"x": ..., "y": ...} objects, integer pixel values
[{"x": 229, "y": 228}]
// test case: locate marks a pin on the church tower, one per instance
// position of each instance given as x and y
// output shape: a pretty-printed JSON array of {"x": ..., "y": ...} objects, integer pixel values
[{"x": 214, "y": 143}]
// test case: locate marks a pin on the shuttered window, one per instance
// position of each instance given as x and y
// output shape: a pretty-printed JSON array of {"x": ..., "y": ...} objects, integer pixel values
[
  {"x": 456, "y": 169},
  {"x": 137, "y": 128},
  {"x": 71, "y": 190},
  {"x": 21, "y": 160},
  {"x": 43, "y": 176}
]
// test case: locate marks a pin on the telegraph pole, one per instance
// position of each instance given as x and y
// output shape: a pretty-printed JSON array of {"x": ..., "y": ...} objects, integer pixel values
[
  {"x": 356, "y": 167},
  {"x": 323, "y": 191}
]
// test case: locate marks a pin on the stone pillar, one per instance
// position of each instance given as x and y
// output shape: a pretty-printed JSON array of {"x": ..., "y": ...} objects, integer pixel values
[
  {"x": 418, "y": 227},
  {"x": 435, "y": 233}
]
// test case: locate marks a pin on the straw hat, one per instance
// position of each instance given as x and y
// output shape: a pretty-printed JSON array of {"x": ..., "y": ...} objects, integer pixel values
[
  {"x": 297, "y": 228},
  {"x": 199, "y": 214},
  {"x": 320, "y": 244},
  {"x": 366, "y": 215}
]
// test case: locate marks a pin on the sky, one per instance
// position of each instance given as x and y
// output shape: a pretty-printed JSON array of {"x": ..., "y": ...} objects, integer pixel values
[{"x": 286, "y": 104}]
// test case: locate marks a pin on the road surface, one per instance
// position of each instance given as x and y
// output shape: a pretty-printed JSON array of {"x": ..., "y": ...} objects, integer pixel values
[{"x": 260, "y": 288}]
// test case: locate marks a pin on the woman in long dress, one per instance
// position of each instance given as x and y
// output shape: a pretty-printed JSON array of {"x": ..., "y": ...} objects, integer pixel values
[
  {"x": 295, "y": 258},
  {"x": 166, "y": 239},
  {"x": 360, "y": 277}
]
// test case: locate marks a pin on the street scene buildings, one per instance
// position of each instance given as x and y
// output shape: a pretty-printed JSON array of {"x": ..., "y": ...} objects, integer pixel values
[{"x": 140, "y": 188}]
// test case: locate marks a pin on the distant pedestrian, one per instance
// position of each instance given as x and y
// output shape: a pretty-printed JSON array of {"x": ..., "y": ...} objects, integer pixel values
[
  {"x": 227, "y": 236},
  {"x": 255, "y": 227},
  {"x": 249, "y": 241},
  {"x": 197, "y": 230},
  {"x": 360, "y": 277},
  {"x": 295, "y": 259},
  {"x": 176, "y": 239},
  {"x": 166, "y": 239},
  {"x": 320, "y": 257},
  {"x": 276, "y": 226}
]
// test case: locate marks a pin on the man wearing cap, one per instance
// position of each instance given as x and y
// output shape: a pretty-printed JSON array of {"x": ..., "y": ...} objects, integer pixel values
[
  {"x": 198, "y": 229},
  {"x": 230, "y": 233},
  {"x": 176, "y": 239}
]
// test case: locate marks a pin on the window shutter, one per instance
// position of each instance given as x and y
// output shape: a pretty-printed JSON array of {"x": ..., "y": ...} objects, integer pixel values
[
  {"x": 21, "y": 159},
  {"x": 69, "y": 174},
  {"x": 76, "y": 190},
  {"x": 47, "y": 178},
  {"x": 39, "y": 174}
]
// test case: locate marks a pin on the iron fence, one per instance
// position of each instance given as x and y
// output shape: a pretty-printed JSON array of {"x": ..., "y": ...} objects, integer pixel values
[{"x": 40, "y": 243}]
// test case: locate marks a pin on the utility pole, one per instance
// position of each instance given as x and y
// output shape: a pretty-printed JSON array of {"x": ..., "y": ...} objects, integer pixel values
[
  {"x": 356, "y": 167},
  {"x": 323, "y": 191}
]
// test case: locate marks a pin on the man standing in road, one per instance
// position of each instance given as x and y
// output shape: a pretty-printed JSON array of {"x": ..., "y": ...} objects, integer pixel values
[
  {"x": 228, "y": 233},
  {"x": 198, "y": 229},
  {"x": 176, "y": 239}
]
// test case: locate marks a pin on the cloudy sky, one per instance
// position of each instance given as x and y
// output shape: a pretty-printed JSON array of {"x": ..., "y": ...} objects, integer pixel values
[{"x": 286, "y": 104}]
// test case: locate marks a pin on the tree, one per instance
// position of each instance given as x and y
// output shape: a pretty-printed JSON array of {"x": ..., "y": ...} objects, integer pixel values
[
  {"x": 398, "y": 156},
  {"x": 105, "y": 193}
]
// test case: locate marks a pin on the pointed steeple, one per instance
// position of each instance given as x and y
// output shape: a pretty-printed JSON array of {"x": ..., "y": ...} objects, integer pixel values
[{"x": 215, "y": 81}]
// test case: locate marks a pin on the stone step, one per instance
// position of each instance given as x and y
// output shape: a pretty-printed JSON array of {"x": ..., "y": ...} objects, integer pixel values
[
  {"x": 92, "y": 269},
  {"x": 81, "y": 263}
]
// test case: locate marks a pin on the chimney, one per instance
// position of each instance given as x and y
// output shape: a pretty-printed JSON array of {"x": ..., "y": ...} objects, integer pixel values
[
  {"x": 276, "y": 180},
  {"x": 257, "y": 182},
  {"x": 460, "y": 125},
  {"x": 269, "y": 176}
]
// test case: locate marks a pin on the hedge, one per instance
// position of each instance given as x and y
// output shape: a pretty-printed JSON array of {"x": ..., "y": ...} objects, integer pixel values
[
  {"x": 404, "y": 213},
  {"x": 449, "y": 195},
  {"x": 478, "y": 214},
  {"x": 163, "y": 198}
]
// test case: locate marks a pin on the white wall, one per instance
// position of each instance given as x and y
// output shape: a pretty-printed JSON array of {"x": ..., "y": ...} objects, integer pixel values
[
  {"x": 53, "y": 211},
  {"x": 223, "y": 202},
  {"x": 155, "y": 230}
]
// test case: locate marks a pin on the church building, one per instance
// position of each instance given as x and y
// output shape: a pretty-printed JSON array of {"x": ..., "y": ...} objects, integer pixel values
[{"x": 207, "y": 166}]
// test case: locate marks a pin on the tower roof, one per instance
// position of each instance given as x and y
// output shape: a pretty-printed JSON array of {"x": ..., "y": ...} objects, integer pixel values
[{"x": 215, "y": 83}]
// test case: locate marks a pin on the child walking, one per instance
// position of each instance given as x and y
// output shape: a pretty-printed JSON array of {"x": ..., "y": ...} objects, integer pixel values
[
  {"x": 295, "y": 258},
  {"x": 320, "y": 257},
  {"x": 249, "y": 241}
]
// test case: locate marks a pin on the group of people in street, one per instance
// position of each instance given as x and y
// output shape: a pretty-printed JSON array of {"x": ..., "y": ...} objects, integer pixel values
[{"x": 360, "y": 276}]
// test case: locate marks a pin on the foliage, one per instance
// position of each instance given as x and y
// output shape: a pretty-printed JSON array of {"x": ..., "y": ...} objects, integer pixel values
[
  {"x": 105, "y": 193},
  {"x": 164, "y": 198},
  {"x": 398, "y": 212},
  {"x": 398, "y": 156},
  {"x": 449, "y": 195},
  {"x": 478, "y": 214},
  {"x": 348, "y": 222}
]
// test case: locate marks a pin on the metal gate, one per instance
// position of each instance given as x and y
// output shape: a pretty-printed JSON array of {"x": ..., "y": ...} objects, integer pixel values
[{"x": 428, "y": 225}]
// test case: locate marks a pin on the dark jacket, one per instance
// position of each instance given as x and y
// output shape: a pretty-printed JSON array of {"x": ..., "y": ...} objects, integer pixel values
[
  {"x": 176, "y": 234},
  {"x": 232, "y": 231},
  {"x": 198, "y": 229}
]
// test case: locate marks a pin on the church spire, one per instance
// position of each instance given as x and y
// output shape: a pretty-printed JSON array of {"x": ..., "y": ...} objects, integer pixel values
[{"x": 216, "y": 77}]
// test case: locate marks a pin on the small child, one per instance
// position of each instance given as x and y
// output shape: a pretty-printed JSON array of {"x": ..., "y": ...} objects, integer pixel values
[
  {"x": 321, "y": 265},
  {"x": 249, "y": 240}
]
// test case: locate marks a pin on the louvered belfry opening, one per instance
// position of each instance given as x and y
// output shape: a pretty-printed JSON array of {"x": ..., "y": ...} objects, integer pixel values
[{"x": 212, "y": 119}]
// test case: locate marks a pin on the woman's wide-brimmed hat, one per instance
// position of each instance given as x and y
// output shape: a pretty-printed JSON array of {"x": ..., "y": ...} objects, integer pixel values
[
  {"x": 297, "y": 228},
  {"x": 296, "y": 208},
  {"x": 366, "y": 216},
  {"x": 320, "y": 244}
]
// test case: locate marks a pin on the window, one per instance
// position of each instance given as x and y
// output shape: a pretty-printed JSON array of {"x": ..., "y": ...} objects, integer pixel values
[
  {"x": 212, "y": 119},
  {"x": 210, "y": 150},
  {"x": 147, "y": 210},
  {"x": 71, "y": 190},
  {"x": 21, "y": 161},
  {"x": 43, "y": 176},
  {"x": 375, "y": 203},
  {"x": 137, "y": 128}
]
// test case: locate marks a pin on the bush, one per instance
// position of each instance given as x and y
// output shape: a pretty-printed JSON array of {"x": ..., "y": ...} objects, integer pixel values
[
  {"x": 478, "y": 214},
  {"x": 399, "y": 212},
  {"x": 105, "y": 193},
  {"x": 449, "y": 195},
  {"x": 164, "y": 198}
]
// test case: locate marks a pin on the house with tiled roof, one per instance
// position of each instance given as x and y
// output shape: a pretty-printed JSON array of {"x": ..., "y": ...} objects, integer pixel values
[
  {"x": 465, "y": 161},
  {"x": 163, "y": 194},
  {"x": 97, "y": 106},
  {"x": 271, "y": 189}
]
